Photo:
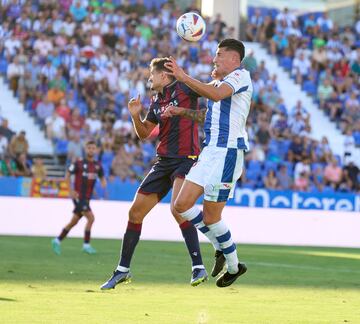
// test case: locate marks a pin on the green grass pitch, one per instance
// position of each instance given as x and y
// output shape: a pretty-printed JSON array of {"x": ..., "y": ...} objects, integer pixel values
[{"x": 282, "y": 285}]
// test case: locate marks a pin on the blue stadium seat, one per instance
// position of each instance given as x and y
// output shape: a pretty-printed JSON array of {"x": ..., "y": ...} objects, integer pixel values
[
  {"x": 107, "y": 157},
  {"x": 270, "y": 165},
  {"x": 3, "y": 66},
  {"x": 286, "y": 62},
  {"x": 309, "y": 87},
  {"x": 356, "y": 136},
  {"x": 61, "y": 147},
  {"x": 255, "y": 166}
]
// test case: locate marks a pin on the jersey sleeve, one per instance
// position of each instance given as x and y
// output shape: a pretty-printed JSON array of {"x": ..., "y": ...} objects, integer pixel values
[
  {"x": 189, "y": 91},
  {"x": 238, "y": 81},
  {"x": 151, "y": 116},
  {"x": 72, "y": 168}
]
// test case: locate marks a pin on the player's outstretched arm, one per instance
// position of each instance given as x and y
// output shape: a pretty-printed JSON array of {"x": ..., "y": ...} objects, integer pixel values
[
  {"x": 143, "y": 128},
  {"x": 203, "y": 89},
  {"x": 196, "y": 115}
]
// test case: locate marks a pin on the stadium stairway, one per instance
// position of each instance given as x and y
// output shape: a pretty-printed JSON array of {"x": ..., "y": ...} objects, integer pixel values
[
  {"x": 19, "y": 120},
  {"x": 291, "y": 92}
]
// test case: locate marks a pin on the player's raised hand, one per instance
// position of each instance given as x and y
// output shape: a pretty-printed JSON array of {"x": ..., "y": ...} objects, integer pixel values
[
  {"x": 135, "y": 106},
  {"x": 175, "y": 70}
]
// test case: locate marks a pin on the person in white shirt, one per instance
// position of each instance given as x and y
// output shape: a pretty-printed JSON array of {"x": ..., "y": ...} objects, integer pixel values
[
  {"x": 12, "y": 45},
  {"x": 221, "y": 161},
  {"x": 94, "y": 124},
  {"x": 55, "y": 127},
  {"x": 14, "y": 72},
  {"x": 123, "y": 126},
  {"x": 301, "y": 67},
  {"x": 3, "y": 145}
]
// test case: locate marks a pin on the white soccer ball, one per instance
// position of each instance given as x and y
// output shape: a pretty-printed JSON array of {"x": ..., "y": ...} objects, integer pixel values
[{"x": 190, "y": 26}]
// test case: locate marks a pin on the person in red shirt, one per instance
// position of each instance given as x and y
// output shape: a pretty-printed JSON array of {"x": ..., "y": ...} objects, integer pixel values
[
  {"x": 76, "y": 122},
  {"x": 85, "y": 172}
]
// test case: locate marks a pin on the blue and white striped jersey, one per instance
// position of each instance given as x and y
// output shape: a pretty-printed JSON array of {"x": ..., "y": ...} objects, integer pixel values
[{"x": 226, "y": 119}]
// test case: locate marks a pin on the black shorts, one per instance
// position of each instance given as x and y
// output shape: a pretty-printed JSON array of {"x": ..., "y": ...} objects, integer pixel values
[
  {"x": 161, "y": 176},
  {"x": 81, "y": 205}
]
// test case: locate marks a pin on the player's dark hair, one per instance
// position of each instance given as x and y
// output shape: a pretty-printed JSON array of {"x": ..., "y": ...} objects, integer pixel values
[
  {"x": 90, "y": 142},
  {"x": 232, "y": 44},
  {"x": 158, "y": 64}
]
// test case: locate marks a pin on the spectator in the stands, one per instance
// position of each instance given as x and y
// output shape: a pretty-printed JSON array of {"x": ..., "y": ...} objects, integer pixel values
[
  {"x": 45, "y": 109},
  {"x": 38, "y": 169},
  {"x": 3, "y": 145},
  {"x": 63, "y": 110},
  {"x": 279, "y": 43},
  {"x": 324, "y": 92},
  {"x": 5, "y": 130},
  {"x": 271, "y": 181},
  {"x": 302, "y": 183},
  {"x": 333, "y": 173},
  {"x": 302, "y": 166},
  {"x": 295, "y": 149},
  {"x": 285, "y": 181},
  {"x": 123, "y": 126},
  {"x": 121, "y": 164},
  {"x": 351, "y": 174},
  {"x": 75, "y": 148},
  {"x": 263, "y": 135},
  {"x": 15, "y": 71},
  {"x": 55, "y": 127},
  {"x": 94, "y": 124},
  {"x": 325, "y": 23},
  {"x": 75, "y": 123},
  {"x": 8, "y": 166},
  {"x": 301, "y": 68},
  {"x": 333, "y": 106},
  {"x": 19, "y": 145},
  {"x": 22, "y": 166}
]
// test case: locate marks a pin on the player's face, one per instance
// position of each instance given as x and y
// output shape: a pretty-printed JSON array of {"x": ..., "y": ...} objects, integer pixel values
[
  {"x": 223, "y": 62},
  {"x": 90, "y": 150},
  {"x": 156, "y": 79}
]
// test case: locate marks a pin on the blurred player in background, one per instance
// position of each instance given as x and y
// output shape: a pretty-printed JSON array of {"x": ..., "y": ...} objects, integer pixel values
[
  {"x": 177, "y": 152},
  {"x": 221, "y": 161},
  {"x": 85, "y": 172}
]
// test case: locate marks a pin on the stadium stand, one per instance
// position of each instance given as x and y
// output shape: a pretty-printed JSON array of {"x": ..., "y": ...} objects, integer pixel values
[{"x": 73, "y": 65}]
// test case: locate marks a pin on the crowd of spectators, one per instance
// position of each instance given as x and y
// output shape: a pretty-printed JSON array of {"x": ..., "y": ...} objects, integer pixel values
[
  {"x": 324, "y": 59},
  {"x": 74, "y": 64}
]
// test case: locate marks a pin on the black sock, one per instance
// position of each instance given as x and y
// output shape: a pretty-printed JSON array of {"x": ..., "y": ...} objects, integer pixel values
[
  {"x": 63, "y": 234},
  {"x": 87, "y": 237},
  {"x": 130, "y": 240},
  {"x": 190, "y": 235}
]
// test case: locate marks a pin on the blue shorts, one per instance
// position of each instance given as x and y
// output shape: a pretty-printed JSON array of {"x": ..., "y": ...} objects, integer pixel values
[{"x": 161, "y": 176}]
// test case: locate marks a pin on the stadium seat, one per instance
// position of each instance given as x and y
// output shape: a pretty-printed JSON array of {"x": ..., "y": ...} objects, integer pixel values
[
  {"x": 309, "y": 87},
  {"x": 356, "y": 136},
  {"x": 286, "y": 62},
  {"x": 270, "y": 165},
  {"x": 254, "y": 166},
  {"x": 61, "y": 147}
]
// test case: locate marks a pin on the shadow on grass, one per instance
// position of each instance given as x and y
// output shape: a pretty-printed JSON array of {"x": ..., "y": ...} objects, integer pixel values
[
  {"x": 30, "y": 260},
  {"x": 7, "y": 299}
]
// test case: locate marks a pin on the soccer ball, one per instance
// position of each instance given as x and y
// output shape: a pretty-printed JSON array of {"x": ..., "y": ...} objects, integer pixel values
[{"x": 190, "y": 26}]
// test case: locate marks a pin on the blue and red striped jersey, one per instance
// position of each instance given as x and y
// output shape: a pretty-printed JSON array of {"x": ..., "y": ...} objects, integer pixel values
[
  {"x": 178, "y": 135},
  {"x": 86, "y": 173}
]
